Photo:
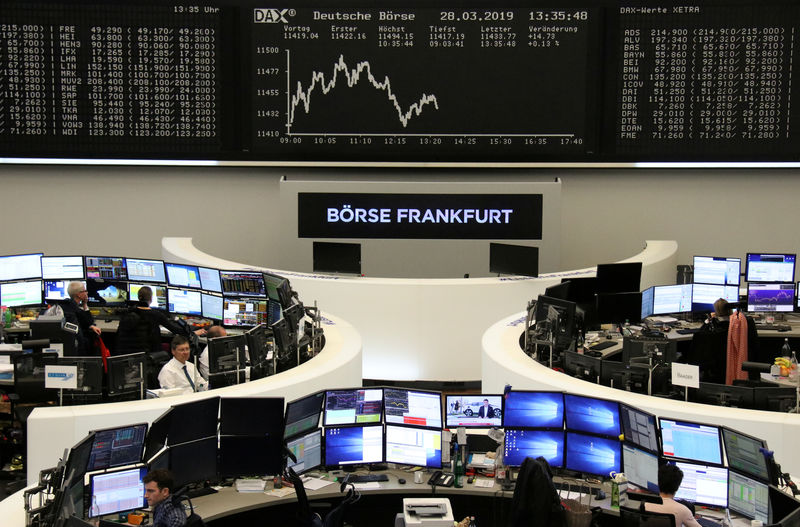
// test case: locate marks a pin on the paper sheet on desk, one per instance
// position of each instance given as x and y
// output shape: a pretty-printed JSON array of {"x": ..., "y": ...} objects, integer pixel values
[
  {"x": 484, "y": 483},
  {"x": 316, "y": 483},
  {"x": 10, "y": 347},
  {"x": 664, "y": 320},
  {"x": 279, "y": 493},
  {"x": 370, "y": 485}
]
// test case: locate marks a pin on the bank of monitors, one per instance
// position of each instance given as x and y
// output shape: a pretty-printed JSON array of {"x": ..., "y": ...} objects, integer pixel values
[
  {"x": 725, "y": 395},
  {"x": 243, "y": 312},
  {"x": 193, "y": 421},
  {"x": 745, "y": 454},
  {"x": 353, "y": 406},
  {"x": 117, "y": 491},
  {"x": 533, "y": 410},
  {"x": 703, "y": 484},
  {"x": 640, "y": 467},
  {"x": 140, "y": 270},
  {"x": 591, "y": 415},
  {"x": 116, "y": 447},
  {"x": 20, "y": 267},
  {"x": 406, "y": 445},
  {"x": 582, "y": 366},
  {"x": 639, "y": 428},
  {"x": 21, "y": 294},
  {"x": 618, "y": 308},
  {"x": 589, "y": 454},
  {"x": 352, "y": 445},
  {"x": 413, "y": 407},
  {"x": 213, "y": 306},
  {"x": 303, "y": 414},
  {"x": 62, "y": 268},
  {"x": 717, "y": 270},
  {"x": 107, "y": 293},
  {"x": 520, "y": 260},
  {"x": 159, "y": 300},
  {"x": 105, "y": 268},
  {"x": 185, "y": 302},
  {"x": 704, "y": 295},
  {"x": 181, "y": 275},
  {"x": 307, "y": 450},
  {"x": 770, "y": 297},
  {"x": 763, "y": 267},
  {"x": 473, "y": 411},
  {"x": 336, "y": 257},
  {"x": 619, "y": 277},
  {"x": 243, "y": 283},
  {"x": 692, "y": 441},
  {"x": 194, "y": 462},
  {"x": 519, "y": 444},
  {"x": 748, "y": 497}
]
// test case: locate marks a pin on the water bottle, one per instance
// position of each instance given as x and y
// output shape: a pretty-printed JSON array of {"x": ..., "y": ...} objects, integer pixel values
[
  {"x": 793, "y": 367},
  {"x": 458, "y": 469}
]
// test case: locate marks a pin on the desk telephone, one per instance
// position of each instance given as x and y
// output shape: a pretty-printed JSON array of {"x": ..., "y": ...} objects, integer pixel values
[{"x": 442, "y": 479}]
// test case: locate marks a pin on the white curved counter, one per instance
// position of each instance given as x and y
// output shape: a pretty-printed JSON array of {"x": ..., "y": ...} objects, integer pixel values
[
  {"x": 504, "y": 363},
  {"x": 425, "y": 329}
]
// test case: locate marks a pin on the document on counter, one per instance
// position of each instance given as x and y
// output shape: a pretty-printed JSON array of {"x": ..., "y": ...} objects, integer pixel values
[
  {"x": 250, "y": 485},
  {"x": 485, "y": 483},
  {"x": 281, "y": 492},
  {"x": 370, "y": 485},
  {"x": 316, "y": 483}
]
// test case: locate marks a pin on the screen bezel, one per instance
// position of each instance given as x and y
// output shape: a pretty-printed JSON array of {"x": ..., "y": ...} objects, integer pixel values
[
  {"x": 246, "y": 294},
  {"x": 726, "y": 429},
  {"x": 747, "y": 267},
  {"x": 656, "y": 428},
  {"x": 142, "y": 472},
  {"x": 686, "y": 459},
  {"x": 110, "y": 429},
  {"x": 303, "y": 435},
  {"x": 303, "y": 399}
]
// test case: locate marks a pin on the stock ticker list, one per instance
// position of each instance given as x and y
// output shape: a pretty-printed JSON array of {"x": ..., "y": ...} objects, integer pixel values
[
  {"x": 699, "y": 79},
  {"x": 451, "y": 82},
  {"x": 106, "y": 79}
]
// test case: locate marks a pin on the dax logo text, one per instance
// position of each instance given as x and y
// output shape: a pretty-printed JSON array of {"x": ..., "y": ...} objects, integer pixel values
[{"x": 270, "y": 16}]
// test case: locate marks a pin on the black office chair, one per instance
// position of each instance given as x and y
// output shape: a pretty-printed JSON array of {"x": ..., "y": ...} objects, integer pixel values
[
  {"x": 709, "y": 351},
  {"x": 637, "y": 518}
]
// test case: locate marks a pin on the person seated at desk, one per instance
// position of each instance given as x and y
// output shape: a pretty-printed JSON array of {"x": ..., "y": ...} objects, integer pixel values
[
  {"x": 202, "y": 362},
  {"x": 178, "y": 372},
  {"x": 669, "y": 481},
  {"x": 158, "y": 485},
  {"x": 76, "y": 311}
]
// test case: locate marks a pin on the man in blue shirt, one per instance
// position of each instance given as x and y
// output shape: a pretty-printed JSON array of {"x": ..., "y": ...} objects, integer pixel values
[{"x": 158, "y": 485}]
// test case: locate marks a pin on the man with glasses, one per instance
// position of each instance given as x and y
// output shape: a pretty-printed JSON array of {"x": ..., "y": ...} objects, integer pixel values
[{"x": 76, "y": 311}]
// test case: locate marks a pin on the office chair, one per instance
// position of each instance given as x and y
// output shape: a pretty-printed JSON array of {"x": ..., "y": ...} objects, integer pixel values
[
  {"x": 636, "y": 518},
  {"x": 709, "y": 351}
]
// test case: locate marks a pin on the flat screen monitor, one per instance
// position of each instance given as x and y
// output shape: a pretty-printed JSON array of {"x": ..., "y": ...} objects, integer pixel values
[
  {"x": 413, "y": 407},
  {"x": 763, "y": 267},
  {"x": 647, "y": 302},
  {"x": 126, "y": 373},
  {"x": 156, "y": 436},
  {"x": 662, "y": 350},
  {"x": 303, "y": 414},
  {"x": 159, "y": 461},
  {"x": 182, "y": 275},
  {"x": 589, "y": 454},
  {"x": 115, "y": 447},
  {"x": 274, "y": 311},
  {"x": 669, "y": 299},
  {"x": 745, "y": 454},
  {"x": 465, "y": 410},
  {"x": 420, "y": 447},
  {"x": 619, "y": 277},
  {"x": 278, "y": 289},
  {"x": 193, "y": 421},
  {"x": 20, "y": 267},
  {"x": 257, "y": 340},
  {"x": 581, "y": 366},
  {"x": 725, "y": 395},
  {"x": 251, "y": 416},
  {"x": 704, "y": 295},
  {"x": 184, "y": 302},
  {"x": 582, "y": 289},
  {"x": 717, "y": 270},
  {"x": 640, "y": 467},
  {"x": 595, "y": 416},
  {"x": 250, "y": 456},
  {"x": 703, "y": 484},
  {"x": 520, "y": 260},
  {"x": 159, "y": 300},
  {"x": 89, "y": 376},
  {"x": 776, "y": 399},
  {"x": 566, "y": 318},
  {"x": 336, "y": 257},
  {"x": 21, "y": 294},
  {"x": 62, "y": 268},
  {"x": 533, "y": 410},
  {"x": 111, "y": 293},
  {"x": 763, "y": 297},
  {"x": 692, "y": 441},
  {"x": 140, "y": 270},
  {"x": 783, "y": 508},
  {"x": 73, "y": 504},
  {"x": 352, "y": 445},
  {"x": 243, "y": 312},
  {"x": 57, "y": 289},
  {"x": 117, "y": 491},
  {"x": 226, "y": 354},
  {"x": 194, "y": 462},
  {"x": 560, "y": 291},
  {"x": 243, "y": 283},
  {"x": 639, "y": 427},
  {"x": 105, "y": 267},
  {"x": 748, "y": 497},
  {"x": 519, "y": 444},
  {"x": 213, "y": 306},
  {"x": 617, "y": 308},
  {"x": 307, "y": 449},
  {"x": 78, "y": 460},
  {"x": 210, "y": 279},
  {"x": 353, "y": 406}
]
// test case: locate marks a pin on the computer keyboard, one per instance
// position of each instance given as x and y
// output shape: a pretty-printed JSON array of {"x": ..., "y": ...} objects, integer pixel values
[
  {"x": 367, "y": 478},
  {"x": 687, "y": 331},
  {"x": 774, "y": 327},
  {"x": 708, "y": 522},
  {"x": 603, "y": 345}
]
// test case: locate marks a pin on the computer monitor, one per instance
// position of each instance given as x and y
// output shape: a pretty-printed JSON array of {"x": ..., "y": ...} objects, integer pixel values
[
  {"x": 182, "y": 275},
  {"x": 285, "y": 344},
  {"x": 776, "y": 399},
  {"x": 669, "y": 299},
  {"x": 619, "y": 277},
  {"x": 278, "y": 289},
  {"x": 303, "y": 414},
  {"x": 566, "y": 318},
  {"x": 78, "y": 460},
  {"x": 725, "y": 395},
  {"x": 523, "y": 409},
  {"x": 185, "y": 302},
  {"x": 73, "y": 501},
  {"x": 560, "y": 291},
  {"x": 748, "y": 497},
  {"x": 465, "y": 410},
  {"x": 89, "y": 379},
  {"x": 639, "y": 427},
  {"x": 251, "y": 416},
  {"x": 243, "y": 283},
  {"x": 210, "y": 279},
  {"x": 294, "y": 315},
  {"x": 617, "y": 308},
  {"x": 352, "y": 445},
  {"x": 520, "y": 260},
  {"x": 116, "y": 447},
  {"x": 640, "y": 467},
  {"x": 29, "y": 380},
  {"x": 56, "y": 290},
  {"x": 62, "y": 268},
  {"x": 257, "y": 340},
  {"x": 413, "y": 407},
  {"x": 704, "y": 295},
  {"x": 770, "y": 298},
  {"x": 420, "y": 447},
  {"x": 581, "y": 366},
  {"x": 117, "y": 491},
  {"x": 784, "y": 509},
  {"x": 589, "y": 454},
  {"x": 764, "y": 267},
  {"x": 159, "y": 461},
  {"x": 110, "y": 293},
  {"x": 126, "y": 373},
  {"x": 662, "y": 350},
  {"x": 624, "y": 376},
  {"x": 519, "y": 444},
  {"x": 581, "y": 289},
  {"x": 226, "y": 353},
  {"x": 336, "y": 257},
  {"x": 591, "y": 415},
  {"x": 717, "y": 270},
  {"x": 20, "y": 267},
  {"x": 745, "y": 454},
  {"x": 307, "y": 449},
  {"x": 159, "y": 300},
  {"x": 353, "y": 406},
  {"x": 243, "y": 312},
  {"x": 105, "y": 268},
  {"x": 692, "y": 441},
  {"x": 647, "y": 302},
  {"x": 274, "y": 311},
  {"x": 194, "y": 462},
  {"x": 250, "y": 456},
  {"x": 703, "y": 484},
  {"x": 192, "y": 421},
  {"x": 140, "y": 270},
  {"x": 213, "y": 306},
  {"x": 156, "y": 436},
  {"x": 21, "y": 294}
]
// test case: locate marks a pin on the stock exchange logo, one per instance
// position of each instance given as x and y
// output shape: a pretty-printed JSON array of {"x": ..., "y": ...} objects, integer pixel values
[{"x": 272, "y": 16}]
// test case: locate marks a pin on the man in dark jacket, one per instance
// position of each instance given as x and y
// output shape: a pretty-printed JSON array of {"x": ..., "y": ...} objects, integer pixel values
[{"x": 76, "y": 311}]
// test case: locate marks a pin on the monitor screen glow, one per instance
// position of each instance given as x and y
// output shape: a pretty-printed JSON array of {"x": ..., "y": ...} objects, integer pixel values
[
  {"x": 19, "y": 294},
  {"x": 355, "y": 406},
  {"x": 159, "y": 300},
  {"x": 414, "y": 446},
  {"x": 307, "y": 449},
  {"x": 20, "y": 267},
  {"x": 145, "y": 270},
  {"x": 534, "y": 410},
  {"x": 704, "y": 295},
  {"x": 243, "y": 283},
  {"x": 717, "y": 270},
  {"x": 353, "y": 445},
  {"x": 595, "y": 416},
  {"x": 519, "y": 444},
  {"x": 57, "y": 289},
  {"x": 672, "y": 299},
  {"x": 105, "y": 267},
  {"x": 181, "y": 275},
  {"x": 763, "y": 267},
  {"x": 745, "y": 454},
  {"x": 62, "y": 267},
  {"x": 184, "y": 302},
  {"x": 703, "y": 484},
  {"x": 775, "y": 297},
  {"x": 640, "y": 467},
  {"x": 212, "y": 306},
  {"x": 748, "y": 497},
  {"x": 413, "y": 407},
  {"x": 244, "y": 312},
  {"x": 692, "y": 441},
  {"x": 209, "y": 279},
  {"x": 593, "y": 455},
  {"x": 639, "y": 427},
  {"x": 118, "y": 491},
  {"x": 470, "y": 411}
]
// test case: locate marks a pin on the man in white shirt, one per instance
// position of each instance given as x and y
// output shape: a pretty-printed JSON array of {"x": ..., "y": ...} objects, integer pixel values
[
  {"x": 669, "y": 481},
  {"x": 202, "y": 362},
  {"x": 178, "y": 372}
]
